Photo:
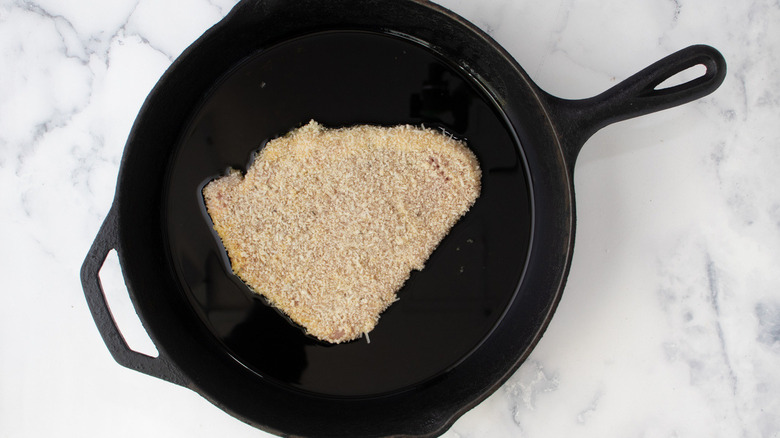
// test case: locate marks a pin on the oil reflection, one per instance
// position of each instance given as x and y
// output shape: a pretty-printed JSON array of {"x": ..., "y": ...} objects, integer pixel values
[
  {"x": 250, "y": 328},
  {"x": 437, "y": 103},
  {"x": 277, "y": 349}
]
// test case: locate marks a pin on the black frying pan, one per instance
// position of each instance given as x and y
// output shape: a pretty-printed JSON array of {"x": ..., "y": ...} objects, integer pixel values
[{"x": 465, "y": 323}]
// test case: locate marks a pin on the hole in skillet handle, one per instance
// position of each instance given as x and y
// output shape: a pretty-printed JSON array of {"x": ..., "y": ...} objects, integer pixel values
[
  {"x": 121, "y": 307},
  {"x": 643, "y": 93},
  {"x": 107, "y": 240},
  {"x": 687, "y": 75}
]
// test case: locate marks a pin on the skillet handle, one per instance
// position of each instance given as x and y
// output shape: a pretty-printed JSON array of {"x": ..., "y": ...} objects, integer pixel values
[
  {"x": 577, "y": 120},
  {"x": 106, "y": 240}
]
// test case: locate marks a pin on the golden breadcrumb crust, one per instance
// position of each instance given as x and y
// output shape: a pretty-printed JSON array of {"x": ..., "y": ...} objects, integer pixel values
[{"x": 327, "y": 224}]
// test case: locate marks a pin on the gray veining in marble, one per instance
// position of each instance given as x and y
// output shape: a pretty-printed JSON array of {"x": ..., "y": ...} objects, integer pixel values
[{"x": 670, "y": 323}]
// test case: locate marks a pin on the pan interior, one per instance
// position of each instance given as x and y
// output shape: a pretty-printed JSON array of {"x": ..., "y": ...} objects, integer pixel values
[{"x": 342, "y": 78}]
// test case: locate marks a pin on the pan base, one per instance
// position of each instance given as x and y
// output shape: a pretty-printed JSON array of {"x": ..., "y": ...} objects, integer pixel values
[{"x": 343, "y": 78}]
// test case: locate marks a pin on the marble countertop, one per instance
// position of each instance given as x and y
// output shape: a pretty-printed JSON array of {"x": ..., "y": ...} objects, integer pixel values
[{"x": 670, "y": 322}]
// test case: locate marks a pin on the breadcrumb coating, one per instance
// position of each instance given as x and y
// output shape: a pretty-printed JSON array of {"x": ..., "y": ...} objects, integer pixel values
[{"x": 328, "y": 224}]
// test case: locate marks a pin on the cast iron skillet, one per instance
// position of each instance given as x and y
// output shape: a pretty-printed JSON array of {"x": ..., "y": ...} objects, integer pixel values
[{"x": 466, "y": 322}]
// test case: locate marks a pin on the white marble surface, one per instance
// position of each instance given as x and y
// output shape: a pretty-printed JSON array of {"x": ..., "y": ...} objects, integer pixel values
[{"x": 670, "y": 323}]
